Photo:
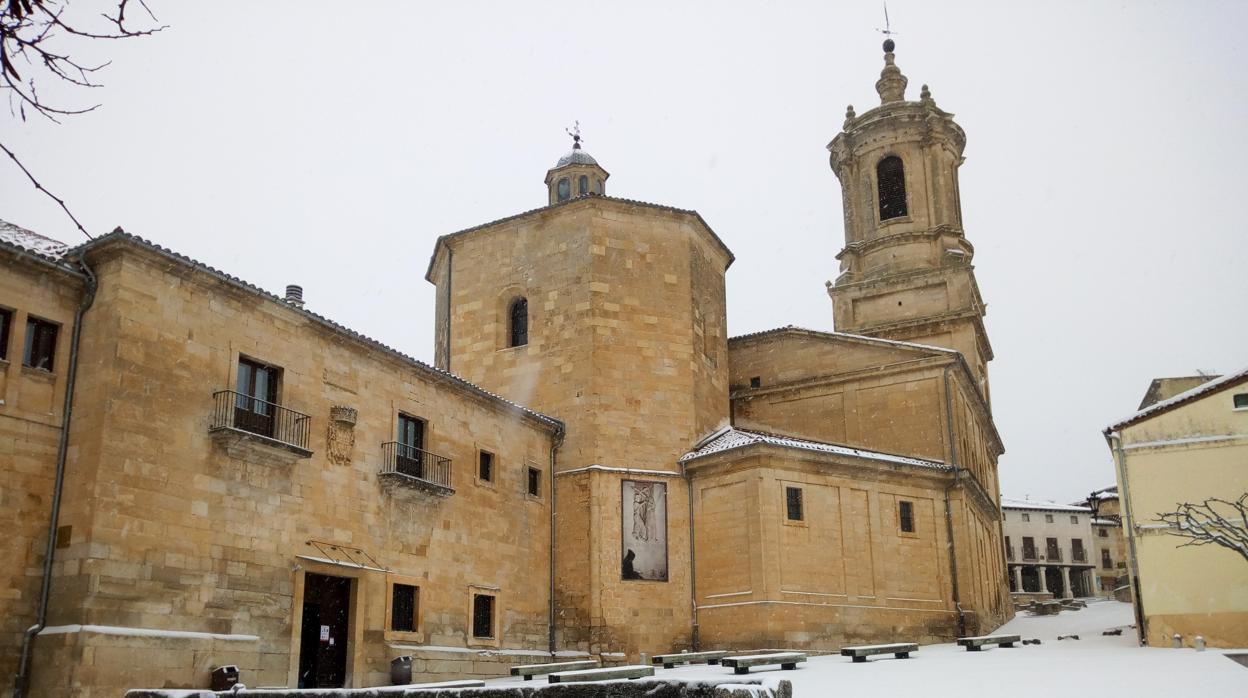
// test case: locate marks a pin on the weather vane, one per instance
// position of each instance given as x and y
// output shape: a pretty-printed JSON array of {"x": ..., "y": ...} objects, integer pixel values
[
  {"x": 887, "y": 31},
  {"x": 575, "y": 132}
]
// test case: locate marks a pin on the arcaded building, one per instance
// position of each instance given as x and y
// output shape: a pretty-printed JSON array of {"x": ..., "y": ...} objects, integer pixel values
[{"x": 590, "y": 466}]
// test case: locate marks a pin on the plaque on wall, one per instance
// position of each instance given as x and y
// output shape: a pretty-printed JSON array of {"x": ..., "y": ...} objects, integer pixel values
[{"x": 643, "y": 530}]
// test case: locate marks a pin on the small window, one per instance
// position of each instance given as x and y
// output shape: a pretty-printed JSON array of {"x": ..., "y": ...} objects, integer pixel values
[
  {"x": 404, "y": 601},
  {"x": 601, "y": 190},
  {"x": 793, "y": 503},
  {"x": 519, "y": 323},
  {"x": 534, "y": 482},
  {"x": 1102, "y": 532},
  {"x": 890, "y": 177},
  {"x": 756, "y": 382},
  {"x": 905, "y": 515},
  {"x": 1106, "y": 562},
  {"x": 1026, "y": 517},
  {"x": 483, "y": 616},
  {"x": 1048, "y": 518},
  {"x": 485, "y": 466},
  {"x": 1074, "y": 519},
  {"x": 6, "y": 321},
  {"x": 565, "y": 189},
  {"x": 1241, "y": 401},
  {"x": 582, "y": 185},
  {"x": 40, "y": 344}
]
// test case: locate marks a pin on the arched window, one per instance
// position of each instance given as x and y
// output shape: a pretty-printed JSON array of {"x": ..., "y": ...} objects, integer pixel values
[
  {"x": 519, "y": 322},
  {"x": 601, "y": 190},
  {"x": 565, "y": 189},
  {"x": 890, "y": 176},
  {"x": 582, "y": 186}
]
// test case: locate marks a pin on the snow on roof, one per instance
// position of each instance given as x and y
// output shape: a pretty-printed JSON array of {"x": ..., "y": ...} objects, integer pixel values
[
  {"x": 843, "y": 335},
  {"x": 1015, "y": 503},
  {"x": 730, "y": 439},
  {"x": 1105, "y": 522},
  {"x": 32, "y": 242},
  {"x": 1199, "y": 391}
]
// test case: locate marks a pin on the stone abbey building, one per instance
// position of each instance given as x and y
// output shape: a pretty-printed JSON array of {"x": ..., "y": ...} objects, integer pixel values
[{"x": 590, "y": 467}]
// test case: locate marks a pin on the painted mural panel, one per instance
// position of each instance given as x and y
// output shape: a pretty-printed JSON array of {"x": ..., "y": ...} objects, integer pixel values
[{"x": 644, "y": 530}]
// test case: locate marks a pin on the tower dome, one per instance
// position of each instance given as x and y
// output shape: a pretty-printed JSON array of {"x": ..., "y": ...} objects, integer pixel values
[{"x": 576, "y": 174}]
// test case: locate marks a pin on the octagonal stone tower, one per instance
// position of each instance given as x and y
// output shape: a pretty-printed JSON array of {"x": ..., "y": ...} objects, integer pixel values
[{"x": 906, "y": 270}]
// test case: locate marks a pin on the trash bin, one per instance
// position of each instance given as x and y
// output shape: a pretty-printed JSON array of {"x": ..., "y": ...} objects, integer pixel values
[
  {"x": 224, "y": 677},
  {"x": 401, "y": 670}
]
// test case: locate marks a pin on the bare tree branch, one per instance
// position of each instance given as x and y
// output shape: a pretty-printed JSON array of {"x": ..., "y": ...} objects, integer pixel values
[
  {"x": 1214, "y": 521},
  {"x": 28, "y": 28}
]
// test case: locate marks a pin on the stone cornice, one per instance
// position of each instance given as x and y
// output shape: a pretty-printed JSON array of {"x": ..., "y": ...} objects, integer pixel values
[{"x": 862, "y": 247}]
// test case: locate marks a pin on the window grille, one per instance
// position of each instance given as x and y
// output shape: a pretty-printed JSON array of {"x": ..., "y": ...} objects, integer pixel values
[
  {"x": 793, "y": 503},
  {"x": 403, "y": 601},
  {"x": 905, "y": 512},
  {"x": 519, "y": 322}
]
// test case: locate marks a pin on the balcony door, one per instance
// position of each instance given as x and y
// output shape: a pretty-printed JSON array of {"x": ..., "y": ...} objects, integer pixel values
[
  {"x": 257, "y": 397},
  {"x": 409, "y": 456}
]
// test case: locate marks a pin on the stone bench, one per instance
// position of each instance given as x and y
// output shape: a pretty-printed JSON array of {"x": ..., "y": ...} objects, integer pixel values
[
  {"x": 633, "y": 671},
  {"x": 742, "y": 664},
  {"x": 463, "y": 683},
  {"x": 528, "y": 671},
  {"x": 973, "y": 644},
  {"x": 901, "y": 650},
  {"x": 669, "y": 661}
]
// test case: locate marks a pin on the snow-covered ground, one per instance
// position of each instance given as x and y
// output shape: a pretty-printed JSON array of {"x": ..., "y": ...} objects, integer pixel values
[{"x": 1092, "y": 665}]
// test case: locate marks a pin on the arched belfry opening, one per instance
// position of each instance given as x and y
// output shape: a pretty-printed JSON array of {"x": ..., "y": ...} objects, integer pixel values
[
  {"x": 890, "y": 176},
  {"x": 576, "y": 174},
  {"x": 518, "y": 322}
]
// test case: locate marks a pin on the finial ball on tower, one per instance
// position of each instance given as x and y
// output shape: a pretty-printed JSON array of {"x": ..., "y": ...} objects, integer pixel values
[{"x": 889, "y": 45}]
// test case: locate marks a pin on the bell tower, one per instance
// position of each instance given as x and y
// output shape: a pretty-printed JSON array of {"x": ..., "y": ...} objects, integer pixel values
[
  {"x": 576, "y": 174},
  {"x": 906, "y": 271}
]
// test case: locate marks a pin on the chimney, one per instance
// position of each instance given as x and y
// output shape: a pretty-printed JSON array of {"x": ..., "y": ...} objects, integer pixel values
[{"x": 294, "y": 295}]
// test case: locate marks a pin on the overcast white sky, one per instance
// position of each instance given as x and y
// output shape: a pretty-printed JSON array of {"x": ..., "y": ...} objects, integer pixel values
[{"x": 329, "y": 144}]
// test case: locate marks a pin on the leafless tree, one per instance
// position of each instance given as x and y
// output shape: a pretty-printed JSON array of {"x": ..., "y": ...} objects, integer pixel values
[
  {"x": 1212, "y": 522},
  {"x": 35, "y": 41}
]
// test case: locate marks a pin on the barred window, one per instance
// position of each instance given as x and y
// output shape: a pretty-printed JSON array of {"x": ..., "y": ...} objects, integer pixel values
[
  {"x": 905, "y": 515},
  {"x": 519, "y": 314},
  {"x": 890, "y": 177},
  {"x": 793, "y": 503},
  {"x": 403, "y": 604}
]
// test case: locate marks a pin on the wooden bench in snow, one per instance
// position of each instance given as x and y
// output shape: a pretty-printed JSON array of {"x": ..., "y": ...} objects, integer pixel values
[
  {"x": 973, "y": 644},
  {"x": 633, "y": 671},
  {"x": 669, "y": 661},
  {"x": 528, "y": 671},
  {"x": 901, "y": 650},
  {"x": 742, "y": 664}
]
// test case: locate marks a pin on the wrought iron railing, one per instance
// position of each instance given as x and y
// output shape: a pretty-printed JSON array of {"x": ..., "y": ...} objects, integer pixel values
[
  {"x": 1029, "y": 554},
  {"x": 234, "y": 410},
  {"x": 414, "y": 462},
  {"x": 1054, "y": 554},
  {"x": 1078, "y": 555}
]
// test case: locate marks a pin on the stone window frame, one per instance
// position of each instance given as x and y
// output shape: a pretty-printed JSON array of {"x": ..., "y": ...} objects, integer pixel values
[
  {"x": 1048, "y": 518},
  {"x": 7, "y": 317},
  {"x": 914, "y": 519},
  {"x": 494, "y": 469},
  {"x": 474, "y": 590},
  {"x": 33, "y": 322},
  {"x": 531, "y": 467},
  {"x": 503, "y": 305},
  {"x": 784, "y": 504},
  {"x": 905, "y": 190},
  {"x": 390, "y": 634}
]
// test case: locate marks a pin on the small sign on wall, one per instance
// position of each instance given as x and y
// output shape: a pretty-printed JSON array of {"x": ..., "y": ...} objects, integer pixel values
[{"x": 325, "y": 633}]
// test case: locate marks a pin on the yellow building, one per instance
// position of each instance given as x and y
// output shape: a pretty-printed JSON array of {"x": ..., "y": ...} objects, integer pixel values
[
  {"x": 591, "y": 467},
  {"x": 1185, "y": 449}
]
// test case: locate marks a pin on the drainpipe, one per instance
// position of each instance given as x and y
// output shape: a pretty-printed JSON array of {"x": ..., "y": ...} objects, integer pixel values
[
  {"x": 22, "y": 679},
  {"x": 693, "y": 565},
  {"x": 957, "y": 476},
  {"x": 1120, "y": 461},
  {"x": 555, "y": 442}
]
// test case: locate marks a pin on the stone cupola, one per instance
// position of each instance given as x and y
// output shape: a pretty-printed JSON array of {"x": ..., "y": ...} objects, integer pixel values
[{"x": 576, "y": 174}]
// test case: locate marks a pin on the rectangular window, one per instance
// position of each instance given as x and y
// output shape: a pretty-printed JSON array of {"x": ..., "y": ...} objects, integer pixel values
[
  {"x": 1076, "y": 550},
  {"x": 535, "y": 482},
  {"x": 1029, "y": 548},
  {"x": 1106, "y": 562},
  {"x": 485, "y": 466},
  {"x": 1074, "y": 519},
  {"x": 6, "y": 321},
  {"x": 1048, "y": 518},
  {"x": 40, "y": 344},
  {"x": 1051, "y": 551},
  {"x": 793, "y": 503},
  {"x": 905, "y": 515},
  {"x": 1026, "y": 518},
  {"x": 483, "y": 616},
  {"x": 1102, "y": 532},
  {"x": 404, "y": 602},
  {"x": 409, "y": 456},
  {"x": 1241, "y": 401},
  {"x": 257, "y": 395}
]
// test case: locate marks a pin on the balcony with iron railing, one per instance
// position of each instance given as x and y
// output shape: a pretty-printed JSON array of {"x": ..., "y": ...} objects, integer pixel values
[
  {"x": 238, "y": 416},
  {"x": 416, "y": 468},
  {"x": 1078, "y": 555},
  {"x": 1029, "y": 555},
  {"x": 1053, "y": 554}
]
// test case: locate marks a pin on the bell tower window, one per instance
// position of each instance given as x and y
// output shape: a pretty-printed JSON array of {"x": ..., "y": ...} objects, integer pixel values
[
  {"x": 519, "y": 322},
  {"x": 565, "y": 189},
  {"x": 582, "y": 185},
  {"x": 890, "y": 177}
]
